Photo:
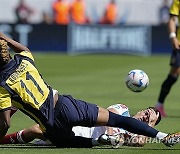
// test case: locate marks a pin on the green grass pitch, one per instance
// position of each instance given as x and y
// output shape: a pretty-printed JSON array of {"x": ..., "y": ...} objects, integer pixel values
[{"x": 100, "y": 79}]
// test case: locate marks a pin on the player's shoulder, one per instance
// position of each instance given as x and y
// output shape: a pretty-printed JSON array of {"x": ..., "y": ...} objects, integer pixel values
[
  {"x": 120, "y": 108},
  {"x": 25, "y": 54}
]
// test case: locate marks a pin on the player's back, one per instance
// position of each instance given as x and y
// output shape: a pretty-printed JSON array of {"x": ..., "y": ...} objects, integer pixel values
[{"x": 24, "y": 88}]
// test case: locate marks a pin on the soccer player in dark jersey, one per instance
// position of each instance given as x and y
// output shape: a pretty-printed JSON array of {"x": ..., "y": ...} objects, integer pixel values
[
  {"x": 174, "y": 72},
  {"x": 22, "y": 86}
]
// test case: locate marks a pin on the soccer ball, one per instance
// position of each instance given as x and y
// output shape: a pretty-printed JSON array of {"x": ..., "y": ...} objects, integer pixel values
[{"x": 137, "y": 80}]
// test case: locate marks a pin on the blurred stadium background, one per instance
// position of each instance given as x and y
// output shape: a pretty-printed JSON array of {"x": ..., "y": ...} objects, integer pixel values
[
  {"x": 146, "y": 34},
  {"x": 132, "y": 11},
  {"x": 104, "y": 56}
]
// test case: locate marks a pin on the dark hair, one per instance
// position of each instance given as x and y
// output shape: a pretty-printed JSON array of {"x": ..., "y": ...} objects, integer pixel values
[
  {"x": 157, "y": 113},
  {"x": 4, "y": 53}
]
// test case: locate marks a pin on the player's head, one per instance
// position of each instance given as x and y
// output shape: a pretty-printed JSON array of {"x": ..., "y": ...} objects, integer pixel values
[
  {"x": 157, "y": 115},
  {"x": 150, "y": 116},
  {"x": 4, "y": 53}
]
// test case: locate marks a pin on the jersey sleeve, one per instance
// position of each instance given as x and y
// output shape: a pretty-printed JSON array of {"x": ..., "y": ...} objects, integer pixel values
[
  {"x": 5, "y": 99},
  {"x": 175, "y": 8},
  {"x": 26, "y": 54}
]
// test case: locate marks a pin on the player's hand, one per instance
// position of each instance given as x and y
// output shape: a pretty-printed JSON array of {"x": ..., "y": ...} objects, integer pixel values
[
  {"x": 151, "y": 123},
  {"x": 175, "y": 43}
]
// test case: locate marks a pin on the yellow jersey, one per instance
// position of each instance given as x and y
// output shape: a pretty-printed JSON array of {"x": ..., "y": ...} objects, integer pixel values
[{"x": 22, "y": 86}]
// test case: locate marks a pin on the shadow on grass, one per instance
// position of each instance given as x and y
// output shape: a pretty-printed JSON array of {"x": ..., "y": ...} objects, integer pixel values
[
  {"x": 30, "y": 146},
  {"x": 27, "y": 146},
  {"x": 139, "y": 148}
]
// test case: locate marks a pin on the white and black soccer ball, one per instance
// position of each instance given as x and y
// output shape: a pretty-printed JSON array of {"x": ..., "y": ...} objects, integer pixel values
[{"x": 137, "y": 80}]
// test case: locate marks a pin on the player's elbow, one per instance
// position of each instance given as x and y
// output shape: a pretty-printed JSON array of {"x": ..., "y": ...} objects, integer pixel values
[
  {"x": 23, "y": 49},
  {"x": 27, "y": 49}
]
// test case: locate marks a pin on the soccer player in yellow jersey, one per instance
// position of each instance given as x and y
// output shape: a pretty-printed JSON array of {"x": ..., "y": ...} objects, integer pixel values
[
  {"x": 175, "y": 56},
  {"x": 22, "y": 86},
  {"x": 151, "y": 116}
]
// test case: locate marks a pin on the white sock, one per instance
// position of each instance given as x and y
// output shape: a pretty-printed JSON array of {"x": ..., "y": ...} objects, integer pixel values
[
  {"x": 161, "y": 135},
  {"x": 19, "y": 137}
]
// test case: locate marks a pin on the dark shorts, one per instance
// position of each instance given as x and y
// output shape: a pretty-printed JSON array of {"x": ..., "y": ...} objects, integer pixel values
[
  {"x": 70, "y": 112},
  {"x": 175, "y": 58}
]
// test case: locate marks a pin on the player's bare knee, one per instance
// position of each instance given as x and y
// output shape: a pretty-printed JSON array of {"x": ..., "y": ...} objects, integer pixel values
[{"x": 36, "y": 129}]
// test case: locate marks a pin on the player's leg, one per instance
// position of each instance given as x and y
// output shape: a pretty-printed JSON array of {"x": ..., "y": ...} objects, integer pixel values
[
  {"x": 165, "y": 89},
  {"x": 14, "y": 138},
  {"x": 135, "y": 126},
  {"x": 72, "y": 112},
  {"x": 23, "y": 136},
  {"x": 169, "y": 81},
  {"x": 32, "y": 133},
  {"x": 130, "y": 124}
]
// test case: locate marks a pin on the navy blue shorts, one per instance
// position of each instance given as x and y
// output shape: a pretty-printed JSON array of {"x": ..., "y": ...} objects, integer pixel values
[
  {"x": 175, "y": 58},
  {"x": 70, "y": 112}
]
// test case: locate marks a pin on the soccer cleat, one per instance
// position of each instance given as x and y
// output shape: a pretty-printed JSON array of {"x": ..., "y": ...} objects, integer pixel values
[
  {"x": 113, "y": 140},
  {"x": 171, "y": 139},
  {"x": 161, "y": 110}
]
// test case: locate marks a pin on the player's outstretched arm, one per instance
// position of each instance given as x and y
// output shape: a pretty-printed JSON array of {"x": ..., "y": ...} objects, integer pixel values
[{"x": 17, "y": 47}]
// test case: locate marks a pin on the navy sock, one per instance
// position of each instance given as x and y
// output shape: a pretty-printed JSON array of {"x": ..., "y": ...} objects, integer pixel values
[
  {"x": 130, "y": 124},
  {"x": 166, "y": 87}
]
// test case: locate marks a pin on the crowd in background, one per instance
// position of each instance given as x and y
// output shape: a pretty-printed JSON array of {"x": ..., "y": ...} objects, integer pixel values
[{"x": 65, "y": 11}]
